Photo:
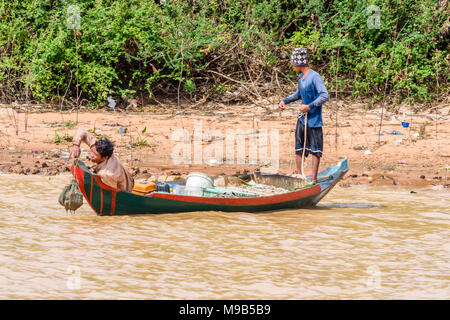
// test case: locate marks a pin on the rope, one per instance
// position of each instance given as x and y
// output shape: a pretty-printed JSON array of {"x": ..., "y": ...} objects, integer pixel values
[{"x": 246, "y": 183}]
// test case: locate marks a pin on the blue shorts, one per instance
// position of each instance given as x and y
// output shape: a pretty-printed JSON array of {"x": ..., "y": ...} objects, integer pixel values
[{"x": 314, "y": 140}]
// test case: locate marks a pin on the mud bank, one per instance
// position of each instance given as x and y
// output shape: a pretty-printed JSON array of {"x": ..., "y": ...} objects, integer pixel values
[{"x": 151, "y": 142}]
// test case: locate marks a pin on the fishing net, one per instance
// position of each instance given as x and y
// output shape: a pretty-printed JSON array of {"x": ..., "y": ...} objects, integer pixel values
[
  {"x": 257, "y": 185},
  {"x": 71, "y": 197}
]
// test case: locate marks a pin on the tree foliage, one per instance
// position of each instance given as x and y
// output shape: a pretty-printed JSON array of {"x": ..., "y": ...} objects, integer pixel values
[{"x": 206, "y": 47}]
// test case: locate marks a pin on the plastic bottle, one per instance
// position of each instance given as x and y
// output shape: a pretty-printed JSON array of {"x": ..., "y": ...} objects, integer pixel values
[{"x": 178, "y": 189}]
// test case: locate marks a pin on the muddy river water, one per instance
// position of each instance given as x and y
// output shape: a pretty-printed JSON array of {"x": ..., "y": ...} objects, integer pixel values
[{"x": 361, "y": 242}]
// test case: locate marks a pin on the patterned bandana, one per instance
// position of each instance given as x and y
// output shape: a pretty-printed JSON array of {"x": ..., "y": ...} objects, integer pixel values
[{"x": 299, "y": 57}]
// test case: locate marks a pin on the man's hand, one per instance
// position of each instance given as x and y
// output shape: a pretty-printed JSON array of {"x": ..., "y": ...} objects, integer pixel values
[
  {"x": 304, "y": 108},
  {"x": 282, "y": 105},
  {"x": 75, "y": 151}
]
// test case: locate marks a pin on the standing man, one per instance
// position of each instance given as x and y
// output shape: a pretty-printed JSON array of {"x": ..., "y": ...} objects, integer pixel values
[
  {"x": 107, "y": 165},
  {"x": 311, "y": 90}
]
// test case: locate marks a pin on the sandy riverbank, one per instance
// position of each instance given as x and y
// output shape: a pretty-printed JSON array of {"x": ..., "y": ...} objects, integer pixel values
[{"x": 418, "y": 157}]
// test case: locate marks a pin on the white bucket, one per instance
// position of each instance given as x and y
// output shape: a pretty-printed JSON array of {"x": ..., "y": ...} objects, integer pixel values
[{"x": 199, "y": 180}]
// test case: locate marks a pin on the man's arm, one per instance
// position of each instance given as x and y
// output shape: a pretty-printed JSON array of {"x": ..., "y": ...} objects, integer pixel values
[
  {"x": 293, "y": 97},
  {"x": 81, "y": 136},
  {"x": 322, "y": 90}
]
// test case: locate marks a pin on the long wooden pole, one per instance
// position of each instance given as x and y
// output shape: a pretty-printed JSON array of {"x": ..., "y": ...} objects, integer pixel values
[
  {"x": 335, "y": 96},
  {"x": 76, "y": 57}
]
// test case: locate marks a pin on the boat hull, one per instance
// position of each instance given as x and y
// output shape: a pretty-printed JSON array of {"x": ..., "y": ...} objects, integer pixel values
[{"x": 105, "y": 200}]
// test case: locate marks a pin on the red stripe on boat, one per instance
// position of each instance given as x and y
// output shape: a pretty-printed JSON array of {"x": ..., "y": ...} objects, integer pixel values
[
  {"x": 104, "y": 186},
  {"x": 113, "y": 203},
  {"x": 285, "y": 197},
  {"x": 79, "y": 176},
  {"x": 92, "y": 184},
  {"x": 101, "y": 201},
  {"x": 78, "y": 173}
]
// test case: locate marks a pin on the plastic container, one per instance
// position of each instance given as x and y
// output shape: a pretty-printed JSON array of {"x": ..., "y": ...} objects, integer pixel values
[
  {"x": 405, "y": 124},
  {"x": 185, "y": 190},
  {"x": 163, "y": 187},
  {"x": 143, "y": 187},
  {"x": 199, "y": 180},
  {"x": 178, "y": 189}
]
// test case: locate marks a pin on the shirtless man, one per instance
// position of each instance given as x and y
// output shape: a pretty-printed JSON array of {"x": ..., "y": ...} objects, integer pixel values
[{"x": 107, "y": 165}]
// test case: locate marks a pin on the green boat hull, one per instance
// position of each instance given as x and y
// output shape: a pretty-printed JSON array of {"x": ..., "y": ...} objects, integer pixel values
[{"x": 105, "y": 200}]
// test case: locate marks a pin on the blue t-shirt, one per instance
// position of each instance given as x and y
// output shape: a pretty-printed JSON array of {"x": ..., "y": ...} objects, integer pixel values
[{"x": 313, "y": 93}]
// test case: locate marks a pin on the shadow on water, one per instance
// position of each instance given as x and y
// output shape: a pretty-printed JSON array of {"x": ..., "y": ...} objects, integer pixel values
[
  {"x": 326, "y": 206},
  {"x": 350, "y": 205}
]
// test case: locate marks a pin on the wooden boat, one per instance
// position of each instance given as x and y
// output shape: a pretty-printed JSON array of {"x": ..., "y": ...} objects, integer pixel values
[{"x": 105, "y": 200}]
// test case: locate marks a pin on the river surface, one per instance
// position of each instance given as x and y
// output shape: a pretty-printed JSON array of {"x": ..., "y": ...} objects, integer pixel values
[{"x": 362, "y": 242}]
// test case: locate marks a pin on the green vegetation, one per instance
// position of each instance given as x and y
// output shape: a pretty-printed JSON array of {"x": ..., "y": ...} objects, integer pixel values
[
  {"x": 141, "y": 141},
  {"x": 70, "y": 124},
  {"x": 95, "y": 134},
  {"x": 422, "y": 130},
  {"x": 204, "y": 48},
  {"x": 57, "y": 139}
]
